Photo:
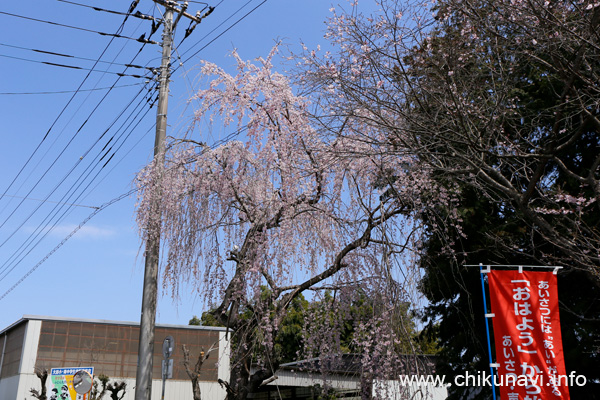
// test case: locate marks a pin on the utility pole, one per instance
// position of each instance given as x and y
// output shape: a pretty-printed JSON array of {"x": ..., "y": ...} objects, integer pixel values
[
  {"x": 143, "y": 388},
  {"x": 143, "y": 379}
]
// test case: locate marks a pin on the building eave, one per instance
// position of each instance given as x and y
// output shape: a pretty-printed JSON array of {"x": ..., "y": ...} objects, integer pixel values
[{"x": 106, "y": 321}]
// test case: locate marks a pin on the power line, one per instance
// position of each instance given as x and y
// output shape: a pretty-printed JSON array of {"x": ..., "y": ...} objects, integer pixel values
[
  {"x": 116, "y": 35},
  {"x": 70, "y": 91},
  {"x": 55, "y": 249},
  {"x": 216, "y": 27},
  {"x": 105, "y": 156},
  {"x": 226, "y": 30},
  {"x": 205, "y": 46},
  {"x": 63, "y": 111},
  {"x": 72, "y": 97},
  {"x": 137, "y": 14},
  {"x": 73, "y": 67},
  {"x": 67, "y": 197},
  {"x": 59, "y": 115},
  {"x": 213, "y": 146},
  {"x": 52, "y": 53},
  {"x": 55, "y": 161},
  {"x": 50, "y": 201},
  {"x": 61, "y": 181},
  {"x": 22, "y": 250}
]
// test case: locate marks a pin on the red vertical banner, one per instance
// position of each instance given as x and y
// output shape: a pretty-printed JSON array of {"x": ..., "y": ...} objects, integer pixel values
[{"x": 527, "y": 335}]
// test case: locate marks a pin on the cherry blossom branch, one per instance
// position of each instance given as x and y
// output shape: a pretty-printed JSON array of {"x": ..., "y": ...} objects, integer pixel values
[{"x": 339, "y": 258}]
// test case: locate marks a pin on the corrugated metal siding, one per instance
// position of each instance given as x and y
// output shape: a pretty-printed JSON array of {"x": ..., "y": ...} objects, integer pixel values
[
  {"x": 112, "y": 349},
  {"x": 13, "y": 351}
]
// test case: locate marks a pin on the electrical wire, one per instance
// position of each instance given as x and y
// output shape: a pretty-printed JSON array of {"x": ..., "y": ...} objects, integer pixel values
[
  {"x": 107, "y": 152},
  {"x": 55, "y": 249},
  {"x": 104, "y": 165},
  {"x": 63, "y": 179},
  {"x": 23, "y": 251},
  {"x": 74, "y": 67},
  {"x": 123, "y": 157},
  {"x": 114, "y": 35},
  {"x": 68, "y": 196},
  {"x": 70, "y": 91},
  {"x": 49, "y": 201},
  {"x": 55, "y": 161},
  {"x": 59, "y": 116},
  {"x": 215, "y": 39},
  {"x": 71, "y": 56},
  {"x": 114, "y": 85},
  {"x": 95, "y": 212},
  {"x": 218, "y": 26},
  {"x": 226, "y": 30},
  {"x": 120, "y": 29},
  {"x": 136, "y": 15},
  {"x": 104, "y": 156}
]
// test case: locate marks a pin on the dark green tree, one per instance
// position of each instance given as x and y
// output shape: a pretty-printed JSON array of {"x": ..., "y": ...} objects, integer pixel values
[{"x": 288, "y": 340}]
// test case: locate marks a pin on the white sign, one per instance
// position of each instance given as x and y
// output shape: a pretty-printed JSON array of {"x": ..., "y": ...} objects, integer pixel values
[{"x": 168, "y": 370}]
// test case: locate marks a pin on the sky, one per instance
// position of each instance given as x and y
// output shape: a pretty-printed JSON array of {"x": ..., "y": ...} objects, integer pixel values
[{"x": 71, "y": 146}]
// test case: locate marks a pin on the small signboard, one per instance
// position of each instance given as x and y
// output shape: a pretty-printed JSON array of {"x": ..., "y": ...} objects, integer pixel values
[
  {"x": 60, "y": 383},
  {"x": 167, "y": 369},
  {"x": 168, "y": 345}
]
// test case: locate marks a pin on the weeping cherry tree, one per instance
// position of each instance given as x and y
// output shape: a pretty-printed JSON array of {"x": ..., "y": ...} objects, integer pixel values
[{"x": 254, "y": 222}]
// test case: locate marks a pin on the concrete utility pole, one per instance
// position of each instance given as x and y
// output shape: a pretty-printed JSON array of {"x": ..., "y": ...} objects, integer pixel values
[
  {"x": 143, "y": 388},
  {"x": 143, "y": 379}
]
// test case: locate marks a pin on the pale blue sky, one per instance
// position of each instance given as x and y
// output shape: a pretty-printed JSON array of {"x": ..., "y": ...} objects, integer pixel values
[{"x": 96, "y": 273}]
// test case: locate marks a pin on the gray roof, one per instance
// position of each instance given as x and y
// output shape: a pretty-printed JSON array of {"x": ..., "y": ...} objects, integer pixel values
[{"x": 351, "y": 364}]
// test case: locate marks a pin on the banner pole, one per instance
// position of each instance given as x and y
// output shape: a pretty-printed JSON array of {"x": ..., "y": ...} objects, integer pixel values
[{"x": 487, "y": 329}]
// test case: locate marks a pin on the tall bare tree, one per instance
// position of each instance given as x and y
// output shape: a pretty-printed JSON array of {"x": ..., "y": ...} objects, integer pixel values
[{"x": 195, "y": 371}]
